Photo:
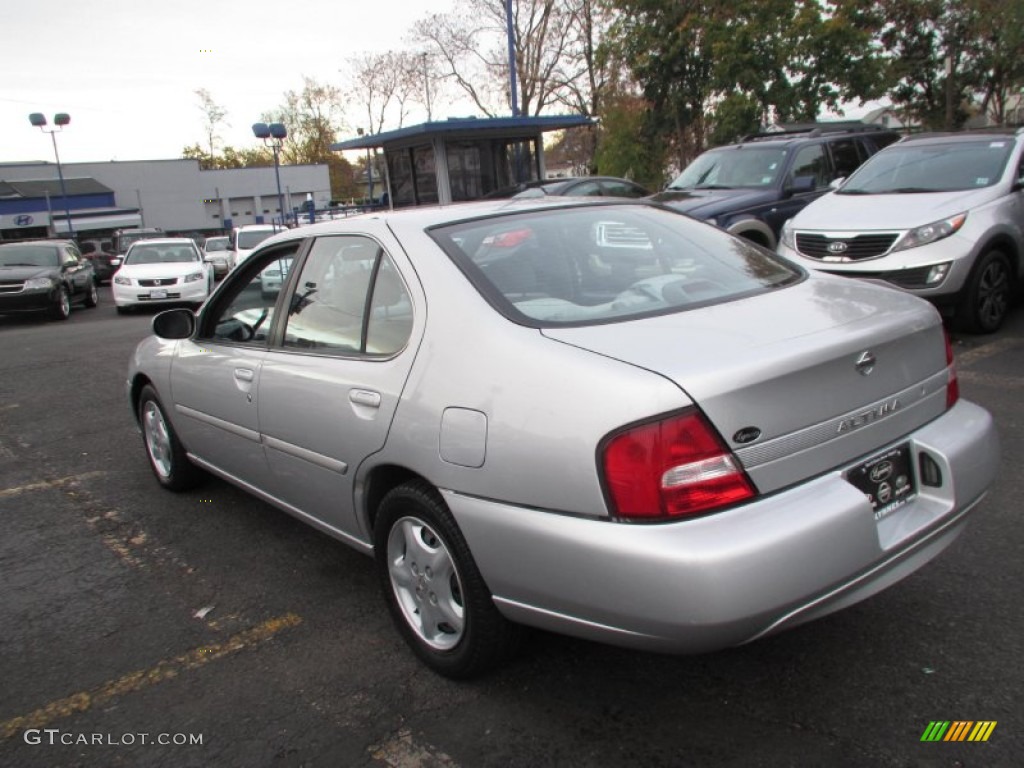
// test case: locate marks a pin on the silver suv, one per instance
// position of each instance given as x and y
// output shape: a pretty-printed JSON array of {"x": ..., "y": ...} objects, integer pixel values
[{"x": 938, "y": 215}]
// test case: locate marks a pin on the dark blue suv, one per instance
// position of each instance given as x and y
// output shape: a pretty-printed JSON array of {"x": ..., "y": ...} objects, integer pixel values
[{"x": 751, "y": 188}]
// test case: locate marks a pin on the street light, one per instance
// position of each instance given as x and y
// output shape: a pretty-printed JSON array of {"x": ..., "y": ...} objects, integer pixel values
[
  {"x": 38, "y": 119},
  {"x": 273, "y": 136}
]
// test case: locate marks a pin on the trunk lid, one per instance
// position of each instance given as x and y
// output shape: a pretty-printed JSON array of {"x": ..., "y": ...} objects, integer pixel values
[{"x": 792, "y": 367}]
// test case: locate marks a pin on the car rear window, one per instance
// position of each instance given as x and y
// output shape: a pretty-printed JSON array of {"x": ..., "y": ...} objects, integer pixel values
[{"x": 596, "y": 264}]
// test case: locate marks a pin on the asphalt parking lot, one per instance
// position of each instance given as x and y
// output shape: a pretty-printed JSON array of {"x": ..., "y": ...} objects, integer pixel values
[{"x": 142, "y": 628}]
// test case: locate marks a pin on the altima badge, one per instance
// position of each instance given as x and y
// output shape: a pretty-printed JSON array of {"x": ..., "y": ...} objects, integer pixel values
[{"x": 865, "y": 363}]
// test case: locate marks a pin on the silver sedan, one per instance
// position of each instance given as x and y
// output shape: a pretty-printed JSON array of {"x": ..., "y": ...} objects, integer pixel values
[{"x": 602, "y": 419}]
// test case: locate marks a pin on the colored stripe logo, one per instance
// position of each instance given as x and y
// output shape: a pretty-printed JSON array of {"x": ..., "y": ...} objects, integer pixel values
[{"x": 958, "y": 730}]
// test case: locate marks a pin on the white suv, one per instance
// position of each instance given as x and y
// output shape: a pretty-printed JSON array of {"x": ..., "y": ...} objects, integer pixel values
[{"x": 938, "y": 215}]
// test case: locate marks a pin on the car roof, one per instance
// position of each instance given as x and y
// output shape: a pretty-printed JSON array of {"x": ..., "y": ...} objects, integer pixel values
[
  {"x": 425, "y": 217},
  {"x": 945, "y": 137},
  {"x": 165, "y": 241}
]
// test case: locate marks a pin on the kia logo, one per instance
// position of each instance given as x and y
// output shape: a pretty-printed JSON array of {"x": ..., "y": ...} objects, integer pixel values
[
  {"x": 23, "y": 221},
  {"x": 837, "y": 247}
]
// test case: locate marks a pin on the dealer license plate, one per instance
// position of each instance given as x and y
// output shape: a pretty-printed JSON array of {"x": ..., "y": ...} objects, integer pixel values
[
  {"x": 887, "y": 480},
  {"x": 158, "y": 294}
]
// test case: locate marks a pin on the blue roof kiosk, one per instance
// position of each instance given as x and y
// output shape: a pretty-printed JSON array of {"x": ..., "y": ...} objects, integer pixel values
[{"x": 460, "y": 159}]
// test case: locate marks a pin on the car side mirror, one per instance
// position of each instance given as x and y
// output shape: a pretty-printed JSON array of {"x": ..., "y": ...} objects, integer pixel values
[
  {"x": 115, "y": 262},
  {"x": 800, "y": 185},
  {"x": 836, "y": 183},
  {"x": 175, "y": 324}
]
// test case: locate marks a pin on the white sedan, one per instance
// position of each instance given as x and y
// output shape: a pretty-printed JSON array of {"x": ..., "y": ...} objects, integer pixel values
[{"x": 165, "y": 271}]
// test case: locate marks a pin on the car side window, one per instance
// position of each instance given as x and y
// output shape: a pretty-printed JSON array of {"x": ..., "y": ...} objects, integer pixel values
[
  {"x": 811, "y": 161},
  {"x": 586, "y": 189},
  {"x": 245, "y": 313},
  {"x": 68, "y": 257},
  {"x": 350, "y": 300},
  {"x": 621, "y": 189},
  {"x": 846, "y": 157}
]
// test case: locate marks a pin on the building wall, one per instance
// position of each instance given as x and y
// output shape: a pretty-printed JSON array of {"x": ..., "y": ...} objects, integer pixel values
[{"x": 177, "y": 196}]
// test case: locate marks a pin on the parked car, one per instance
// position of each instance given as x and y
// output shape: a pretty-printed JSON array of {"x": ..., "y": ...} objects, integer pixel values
[
  {"x": 217, "y": 251},
  {"x": 101, "y": 254},
  {"x": 938, "y": 215},
  {"x": 124, "y": 238},
  {"x": 572, "y": 415},
  {"x": 272, "y": 277},
  {"x": 752, "y": 187},
  {"x": 165, "y": 271},
  {"x": 45, "y": 276},
  {"x": 574, "y": 186},
  {"x": 245, "y": 239}
]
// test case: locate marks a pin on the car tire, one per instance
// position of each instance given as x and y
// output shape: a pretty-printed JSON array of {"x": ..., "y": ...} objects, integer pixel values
[
  {"x": 61, "y": 309},
  {"x": 987, "y": 295},
  {"x": 434, "y": 591},
  {"x": 92, "y": 295},
  {"x": 166, "y": 454}
]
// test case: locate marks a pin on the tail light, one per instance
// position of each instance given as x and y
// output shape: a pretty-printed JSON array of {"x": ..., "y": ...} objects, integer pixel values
[
  {"x": 672, "y": 468},
  {"x": 952, "y": 384}
]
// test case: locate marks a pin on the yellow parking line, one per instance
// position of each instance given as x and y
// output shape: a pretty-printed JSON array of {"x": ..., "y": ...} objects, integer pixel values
[
  {"x": 167, "y": 669},
  {"x": 61, "y": 481},
  {"x": 400, "y": 751}
]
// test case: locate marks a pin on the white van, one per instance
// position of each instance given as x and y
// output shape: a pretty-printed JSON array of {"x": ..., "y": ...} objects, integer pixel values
[{"x": 245, "y": 239}]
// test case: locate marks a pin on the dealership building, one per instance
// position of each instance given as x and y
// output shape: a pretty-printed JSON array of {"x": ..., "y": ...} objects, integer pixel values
[{"x": 173, "y": 195}]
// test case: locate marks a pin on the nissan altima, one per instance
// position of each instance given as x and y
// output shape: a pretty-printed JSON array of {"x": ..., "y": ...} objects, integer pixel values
[{"x": 604, "y": 419}]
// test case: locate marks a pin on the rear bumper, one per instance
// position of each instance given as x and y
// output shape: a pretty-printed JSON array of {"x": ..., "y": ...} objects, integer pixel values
[{"x": 730, "y": 577}]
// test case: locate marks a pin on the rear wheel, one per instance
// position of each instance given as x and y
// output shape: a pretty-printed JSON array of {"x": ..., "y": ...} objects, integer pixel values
[
  {"x": 166, "y": 454},
  {"x": 987, "y": 295},
  {"x": 434, "y": 591},
  {"x": 92, "y": 295}
]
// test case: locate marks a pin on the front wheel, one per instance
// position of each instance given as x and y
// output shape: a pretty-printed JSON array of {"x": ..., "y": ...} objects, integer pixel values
[
  {"x": 434, "y": 591},
  {"x": 61, "y": 309},
  {"x": 166, "y": 454},
  {"x": 987, "y": 295}
]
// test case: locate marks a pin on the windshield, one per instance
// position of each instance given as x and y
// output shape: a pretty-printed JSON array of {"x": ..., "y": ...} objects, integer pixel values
[
  {"x": 159, "y": 254},
  {"x": 580, "y": 266},
  {"x": 216, "y": 244},
  {"x": 29, "y": 256},
  {"x": 932, "y": 167},
  {"x": 743, "y": 166},
  {"x": 248, "y": 240}
]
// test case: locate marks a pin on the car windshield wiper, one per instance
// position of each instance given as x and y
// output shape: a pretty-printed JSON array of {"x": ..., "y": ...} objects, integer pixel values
[
  {"x": 18, "y": 264},
  {"x": 713, "y": 186},
  {"x": 911, "y": 190}
]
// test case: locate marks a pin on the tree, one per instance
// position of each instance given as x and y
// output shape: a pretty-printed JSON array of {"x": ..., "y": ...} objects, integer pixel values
[
  {"x": 471, "y": 48},
  {"x": 213, "y": 117}
]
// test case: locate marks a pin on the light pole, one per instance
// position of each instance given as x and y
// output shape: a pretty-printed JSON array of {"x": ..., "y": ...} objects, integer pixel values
[
  {"x": 38, "y": 119},
  {"x": 273, "y": 136}
]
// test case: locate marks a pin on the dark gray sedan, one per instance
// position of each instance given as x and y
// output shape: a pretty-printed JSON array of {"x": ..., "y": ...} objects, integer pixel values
[{"x": 602, "y": 419}]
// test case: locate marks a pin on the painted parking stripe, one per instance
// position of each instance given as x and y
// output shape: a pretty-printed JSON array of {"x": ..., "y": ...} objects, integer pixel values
[
  {"x": 400, "y": 751},
  {"x": 47, "y": 484},
  {"x": 167, "y": 669}
]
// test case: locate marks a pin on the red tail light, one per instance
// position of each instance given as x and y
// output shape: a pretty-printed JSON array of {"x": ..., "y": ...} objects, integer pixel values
[
  {"x": 672, "y": 468},
  {"x": 952, "y": 384}
]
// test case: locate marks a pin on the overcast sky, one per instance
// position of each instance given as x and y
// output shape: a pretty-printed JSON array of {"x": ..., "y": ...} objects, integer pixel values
[{"x": 127, "y": 70}]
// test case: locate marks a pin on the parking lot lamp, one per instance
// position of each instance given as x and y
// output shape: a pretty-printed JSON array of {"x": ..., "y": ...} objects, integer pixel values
[
  {"x": 38, "y": 119},
  {"x": 273, "y": 136}
]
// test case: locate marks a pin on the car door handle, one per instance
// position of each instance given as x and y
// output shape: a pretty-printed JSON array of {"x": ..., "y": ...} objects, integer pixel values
[
  {"x": 244, "y": 374},
  {"x": 365, "y": 397}
]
